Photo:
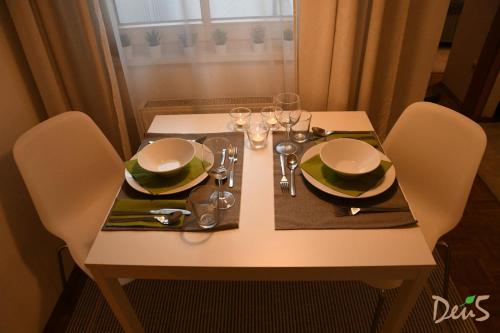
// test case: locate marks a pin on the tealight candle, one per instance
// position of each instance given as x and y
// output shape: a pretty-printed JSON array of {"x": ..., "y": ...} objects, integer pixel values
[
  {"x": 239, "y": 118},
  {"x": 271, "y": 121},
  {"x": 258, "y": 137},
  {"x": 268, "y": 115},
  {"x": 257, "y": 134}
]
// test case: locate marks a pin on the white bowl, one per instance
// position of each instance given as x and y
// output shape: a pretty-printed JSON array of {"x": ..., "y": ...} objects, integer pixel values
[
  {"x": 350, "y": 157},
  {"x": 166, "y": 157}
]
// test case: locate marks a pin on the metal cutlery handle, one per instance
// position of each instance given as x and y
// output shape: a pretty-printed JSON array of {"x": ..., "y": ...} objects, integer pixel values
[
  {"x": 223, "y": 159},
  {"x": 150, "y": 218},
  {"x": 292, "y": 183},
  {"x": 384, "y": 209},
  {"x": 162, "y": 211},
  {"x": 282, "y": 162},
  {"x": 231, "y": 174}
]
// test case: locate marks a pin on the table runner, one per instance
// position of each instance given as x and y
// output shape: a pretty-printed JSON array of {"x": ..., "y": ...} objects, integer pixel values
[
  {"x": 229, "y": 218},
  {"x": 314, "y": 209}
]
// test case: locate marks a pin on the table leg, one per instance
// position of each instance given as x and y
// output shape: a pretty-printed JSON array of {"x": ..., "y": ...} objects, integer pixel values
[
  {"x": 404, "y": 302},
  {"x": 118, "y": 301}
]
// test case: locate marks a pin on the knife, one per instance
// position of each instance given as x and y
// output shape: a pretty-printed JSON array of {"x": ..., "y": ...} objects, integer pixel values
[{"x": 162, "y": 211}]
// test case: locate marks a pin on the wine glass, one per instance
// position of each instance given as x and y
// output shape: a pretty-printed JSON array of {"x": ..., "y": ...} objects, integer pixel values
[
  {"x": 219, "y": 147},
  {"x": 288, "y": 114}
]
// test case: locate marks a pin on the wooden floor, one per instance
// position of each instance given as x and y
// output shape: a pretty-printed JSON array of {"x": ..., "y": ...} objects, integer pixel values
[{"x": 475, "y": 244}]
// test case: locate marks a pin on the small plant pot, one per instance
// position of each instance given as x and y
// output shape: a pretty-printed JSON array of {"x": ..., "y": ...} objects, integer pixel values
[
  {"x": 155, "y": 51},
  {"x": 288, "y": 49},
  {"x": 128, "y": 52},
  {"x": 258, "y": 48},
  {"x": 190, "y": 51},
  {"x": 220, "y": 49}
]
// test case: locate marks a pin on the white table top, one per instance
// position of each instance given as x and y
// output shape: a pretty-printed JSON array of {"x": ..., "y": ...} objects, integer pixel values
[{"x": 255, "y": 244}]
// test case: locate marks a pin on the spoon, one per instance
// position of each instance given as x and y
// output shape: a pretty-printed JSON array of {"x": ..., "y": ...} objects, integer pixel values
[
  {"x": 318, "y": 131},
  {"x": 292, "y": 162}
]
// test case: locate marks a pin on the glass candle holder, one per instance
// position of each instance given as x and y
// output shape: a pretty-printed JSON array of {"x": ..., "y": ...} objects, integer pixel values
[
  {"x": 269, "y": 117},
  {"x": 240, "y": 118},
  {"x": 257, "y": 133}
]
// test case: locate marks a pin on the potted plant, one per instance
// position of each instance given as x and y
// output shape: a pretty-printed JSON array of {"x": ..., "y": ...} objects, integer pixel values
[
  {"x": 153, "y": 38},
  {"x": 220, "y": 40},
  {"x": 126, "y": 44},
  {"x": 258, "y": 35},
  {"x": 188, "y": 41},
  {"x": 288, "y": 45}
]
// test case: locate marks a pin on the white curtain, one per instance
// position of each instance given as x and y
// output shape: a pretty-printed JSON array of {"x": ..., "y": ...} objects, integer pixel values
[
  {"x": 204, "y": 49},
  {"x": 369, "y": 55}
]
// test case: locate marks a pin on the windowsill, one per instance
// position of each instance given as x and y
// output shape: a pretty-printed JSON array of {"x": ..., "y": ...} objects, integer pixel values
[
  {"x": 215, "y": 21},
  {"x": 272, "y": 52}
]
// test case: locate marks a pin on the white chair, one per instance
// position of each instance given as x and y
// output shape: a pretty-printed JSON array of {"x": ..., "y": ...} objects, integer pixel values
[
  {"x": 73, "y": 174},
  {"x": 436, "y": 152}
]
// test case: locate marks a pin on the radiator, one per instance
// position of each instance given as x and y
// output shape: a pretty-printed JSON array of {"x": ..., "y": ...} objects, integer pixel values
[{"x": 152, "y": 108}]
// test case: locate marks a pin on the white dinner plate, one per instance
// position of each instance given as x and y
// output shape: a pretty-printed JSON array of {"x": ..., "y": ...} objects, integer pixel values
[
  {"x": 382, "y": 186},
  {"x": 198, "y": 153}
]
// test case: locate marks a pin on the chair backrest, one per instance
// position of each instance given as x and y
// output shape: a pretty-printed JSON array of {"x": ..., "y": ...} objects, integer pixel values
[
  {"x": 436, "y": 152},
  {"x": 73, "y": 174}
]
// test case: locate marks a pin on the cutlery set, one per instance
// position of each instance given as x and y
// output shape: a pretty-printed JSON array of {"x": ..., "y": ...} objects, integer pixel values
[
  {"x": 171, "y": 216},
  {"x": 291, "y": 162}
]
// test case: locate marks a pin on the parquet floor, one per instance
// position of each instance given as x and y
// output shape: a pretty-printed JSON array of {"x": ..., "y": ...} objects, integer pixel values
[{"x": 475, "y": 243}]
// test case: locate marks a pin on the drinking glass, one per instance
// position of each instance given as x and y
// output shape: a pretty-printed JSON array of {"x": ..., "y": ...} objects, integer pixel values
[
  {"x": 269, "y": 116},
  {"x": 240, "y": 118},
  {"x": 300, "y": 131},
  {"x": 219, "y": 147},
  {"x": 257, "y": 134},
  {"x": 288, "y": 114},
  {"x": 204, "y": 206}
]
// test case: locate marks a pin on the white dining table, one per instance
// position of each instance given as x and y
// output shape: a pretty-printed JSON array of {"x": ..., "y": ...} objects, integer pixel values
[{"x": 255, "y": 250}]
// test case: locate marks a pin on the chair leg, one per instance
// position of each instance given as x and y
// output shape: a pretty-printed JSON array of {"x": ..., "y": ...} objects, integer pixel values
[
  {"x": 61, "y": 264},
  {"x": 378, "y": 311},
  {"x": 447, "y": 265}
]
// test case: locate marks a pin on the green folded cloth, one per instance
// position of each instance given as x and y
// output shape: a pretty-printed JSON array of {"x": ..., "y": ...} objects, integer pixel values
[
  {"x": 353, "y": 186},
  {"x": 157, "y": 184},
  {"x": 367, "y": 137},
  {"x": 135, "y": 205}
]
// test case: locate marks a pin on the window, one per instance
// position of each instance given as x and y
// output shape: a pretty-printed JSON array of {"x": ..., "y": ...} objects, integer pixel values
[
  {"x": 231, "y": 9},
  {"x": 157, "y": 11},
  {"x": 133, "y": 12}
]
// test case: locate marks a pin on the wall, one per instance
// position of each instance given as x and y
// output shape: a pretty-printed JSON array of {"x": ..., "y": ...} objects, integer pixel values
[
  {"x": 474, "y": 24},
  {"x": 29, "y": 281}
]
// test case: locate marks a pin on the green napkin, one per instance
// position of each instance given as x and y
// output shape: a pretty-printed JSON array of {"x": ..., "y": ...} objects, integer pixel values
[
  {"x": 353, "y": 186},
  {"x": 157, "y": 184},
  {"x": 134, "y": 205},
  {"x": 367, "y": 137}
]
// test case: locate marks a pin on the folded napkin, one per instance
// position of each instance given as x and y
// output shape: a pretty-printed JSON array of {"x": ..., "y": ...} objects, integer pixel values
[
  {"x": 133, "y": 205},
  {"x": 157, "y": 184},
  {"x": 367, "y": 137},
  {"x": 353, "y": 186}
]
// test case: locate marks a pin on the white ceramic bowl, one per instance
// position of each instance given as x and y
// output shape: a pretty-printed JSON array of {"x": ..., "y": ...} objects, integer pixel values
[
  {"x": 166, "y": 157},
  {"x": 350, "y": 157}
]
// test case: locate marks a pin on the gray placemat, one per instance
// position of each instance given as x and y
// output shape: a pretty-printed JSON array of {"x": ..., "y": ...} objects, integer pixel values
[
  {"x": 314, "y": 209},
  {"x": 229, "y": 218}
]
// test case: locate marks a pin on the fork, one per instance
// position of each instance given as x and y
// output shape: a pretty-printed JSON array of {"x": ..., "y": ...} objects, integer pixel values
[
  {"x": 233, "y": 158},
  {"x": 283, "y": 181}
]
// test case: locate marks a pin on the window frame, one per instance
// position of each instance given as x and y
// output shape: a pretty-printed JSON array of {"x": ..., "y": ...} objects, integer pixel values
[{"x": 205, "y": 18}]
